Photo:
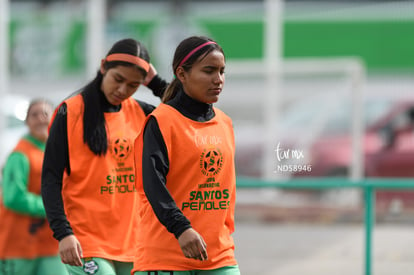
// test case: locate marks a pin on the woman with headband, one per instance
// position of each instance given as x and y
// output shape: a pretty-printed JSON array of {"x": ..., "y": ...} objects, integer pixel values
[
  {"x": 88, "y": 178},
  {"x": 187, "y": 181}
]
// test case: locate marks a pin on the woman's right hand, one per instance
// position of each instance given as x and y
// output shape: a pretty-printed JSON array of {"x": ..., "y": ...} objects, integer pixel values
[
  {"x": 70, "y": 251},
  {"x": 193, "y": 245},
  {"x": 150, "y": 75}
]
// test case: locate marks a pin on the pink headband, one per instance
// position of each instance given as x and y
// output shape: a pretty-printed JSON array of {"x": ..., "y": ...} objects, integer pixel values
[
  {"x": 130, "y": 59},
  {"x": 193, "y": 51}
]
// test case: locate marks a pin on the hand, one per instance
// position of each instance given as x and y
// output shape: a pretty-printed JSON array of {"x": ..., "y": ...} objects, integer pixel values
[
  {"x": 70, "y": 251},
  {"x": 193, "y": 245},
  {"x": 150, "y": 75}
]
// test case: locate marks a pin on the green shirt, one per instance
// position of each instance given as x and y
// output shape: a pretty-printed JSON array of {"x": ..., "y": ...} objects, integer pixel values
[{"x": 15, "y": 195}]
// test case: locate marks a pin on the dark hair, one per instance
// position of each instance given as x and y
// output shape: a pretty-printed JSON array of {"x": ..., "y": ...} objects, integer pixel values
[
  {"x": 36, "y": 101},
  {"x": 184, "y": 49},
  {"x": 94, "y": 125}
]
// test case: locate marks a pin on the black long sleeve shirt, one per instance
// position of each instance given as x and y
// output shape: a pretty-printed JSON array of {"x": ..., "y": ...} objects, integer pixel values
[
  {"x": 57, "y": 160},
  {"x": 155, "y": 164}
]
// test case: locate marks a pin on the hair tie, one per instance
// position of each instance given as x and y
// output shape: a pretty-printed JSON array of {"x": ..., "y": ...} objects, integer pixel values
[
  {"x": 130, "y": 59},
  {"x": 193, "y": 51}
]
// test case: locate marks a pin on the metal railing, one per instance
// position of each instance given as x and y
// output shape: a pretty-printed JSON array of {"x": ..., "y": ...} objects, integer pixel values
[{"x": 368, "y": 185}]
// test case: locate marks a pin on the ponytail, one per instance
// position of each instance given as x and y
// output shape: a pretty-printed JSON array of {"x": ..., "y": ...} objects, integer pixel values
[
  {"x": 94, "y": 125},
  {"x": 171, "y": 90}
]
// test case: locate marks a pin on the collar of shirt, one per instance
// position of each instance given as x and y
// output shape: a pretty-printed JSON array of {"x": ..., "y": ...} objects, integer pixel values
[{"x": 192, "y": 108}]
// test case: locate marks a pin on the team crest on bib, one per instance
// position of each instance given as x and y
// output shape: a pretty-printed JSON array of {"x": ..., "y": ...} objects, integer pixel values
[
  {"x": 90, "y": 266},
  {"x": 211, "y": 161},
  {"x": 120, "y": 148}
]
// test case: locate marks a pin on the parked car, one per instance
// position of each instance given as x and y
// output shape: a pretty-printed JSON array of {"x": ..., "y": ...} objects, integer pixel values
[
  {"x": 388, "y": 147},
  {"x": 387, "y": 144},
  {"x": 325, "y": 144},
  {"x": 395, "y": 159}
]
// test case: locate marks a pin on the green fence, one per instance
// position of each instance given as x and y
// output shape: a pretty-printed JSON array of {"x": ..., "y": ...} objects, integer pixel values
[{"x": 367, "y": 185}]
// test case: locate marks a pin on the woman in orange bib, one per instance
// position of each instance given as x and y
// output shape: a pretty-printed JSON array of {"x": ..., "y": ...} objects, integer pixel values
[
  {"x": 187, "y": 181},
  {"x": 88, "y": 179},
  {"x": 27, "y": 246}
]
